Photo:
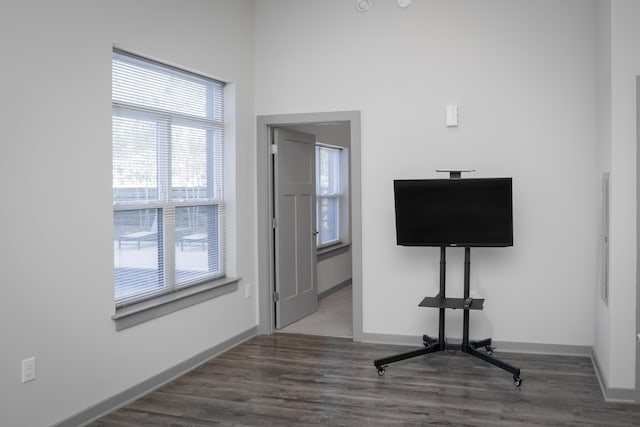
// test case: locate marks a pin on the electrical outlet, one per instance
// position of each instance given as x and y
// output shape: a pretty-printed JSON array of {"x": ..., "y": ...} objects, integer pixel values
[
  {"x": 247, "y": 290},
  {"x": 28, "y": 369}
]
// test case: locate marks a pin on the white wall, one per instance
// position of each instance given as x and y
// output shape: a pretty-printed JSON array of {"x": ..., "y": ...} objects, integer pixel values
[
  {"x": 56, "y": 259},
  {"x": 523, "y": 75},
  {"x": 522, "y": 72},
  {"x": 334, "y": 271}
]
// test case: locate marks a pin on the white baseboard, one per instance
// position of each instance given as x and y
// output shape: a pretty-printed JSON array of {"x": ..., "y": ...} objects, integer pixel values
[
  {"x": 507, "y": 346},
  {"x": 96, "y": 411},
  {"x": 611, "y": 394},
  {"x": 334, "y": 288}
]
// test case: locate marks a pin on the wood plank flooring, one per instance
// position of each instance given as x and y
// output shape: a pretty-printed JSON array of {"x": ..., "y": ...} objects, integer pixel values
[{"x": 300, "y": 380}]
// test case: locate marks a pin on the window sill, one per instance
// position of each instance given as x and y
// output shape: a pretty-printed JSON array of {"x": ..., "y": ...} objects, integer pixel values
[
  {"x": 162, "y": 305},
  {"x": 332, "y": 250}
]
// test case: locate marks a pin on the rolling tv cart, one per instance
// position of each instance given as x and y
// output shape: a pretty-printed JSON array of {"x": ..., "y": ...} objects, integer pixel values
[{"x": 432, "y": 345}]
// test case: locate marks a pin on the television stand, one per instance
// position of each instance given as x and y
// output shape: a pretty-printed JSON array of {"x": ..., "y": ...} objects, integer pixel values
[{"x": 441, "y": 302}]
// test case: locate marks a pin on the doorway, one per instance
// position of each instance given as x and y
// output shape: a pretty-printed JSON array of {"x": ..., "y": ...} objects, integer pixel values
[{"x": 266, "y": 247}]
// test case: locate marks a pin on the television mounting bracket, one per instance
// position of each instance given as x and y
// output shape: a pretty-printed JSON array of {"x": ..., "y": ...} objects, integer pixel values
[{"x": 456, "y": 173}]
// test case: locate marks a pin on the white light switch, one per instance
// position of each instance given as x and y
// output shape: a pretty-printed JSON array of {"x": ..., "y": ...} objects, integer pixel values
[{"x": 452, "y": 115}]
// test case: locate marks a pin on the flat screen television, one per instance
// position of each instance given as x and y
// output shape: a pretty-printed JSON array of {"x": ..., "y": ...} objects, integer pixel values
[{"x": 468, "y": 212}]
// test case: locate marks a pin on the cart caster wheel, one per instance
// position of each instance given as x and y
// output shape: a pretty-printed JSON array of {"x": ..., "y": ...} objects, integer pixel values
[
  {"x": 381, "y": 370},
  {"x": 517, "y": 380},
  {"x": 428, "y": 341},
  {"x": 489, "y": 350}
]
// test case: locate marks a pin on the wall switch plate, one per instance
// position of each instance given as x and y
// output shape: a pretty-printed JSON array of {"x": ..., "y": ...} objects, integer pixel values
[
  {"x": 247, "y": 290},
  {"x": 28, "y": 369},
  {"x": 452, "y": 115}
]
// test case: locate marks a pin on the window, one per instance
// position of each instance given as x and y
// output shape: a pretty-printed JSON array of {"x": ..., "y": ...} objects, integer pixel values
[
  {"x": 168, "y": 210},
  {"x": 328, "y": 195}
]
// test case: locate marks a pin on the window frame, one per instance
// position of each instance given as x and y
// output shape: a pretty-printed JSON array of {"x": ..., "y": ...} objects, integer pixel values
[
  {"x": 339, "y": 196},
  {"x": 174, "y": 294}
]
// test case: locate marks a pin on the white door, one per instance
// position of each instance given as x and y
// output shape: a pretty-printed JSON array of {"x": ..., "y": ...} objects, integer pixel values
[{"x": 296, "y": 292}]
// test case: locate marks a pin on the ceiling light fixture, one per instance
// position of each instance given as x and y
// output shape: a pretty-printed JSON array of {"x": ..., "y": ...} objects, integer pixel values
[{"x": 404, "y": 3}]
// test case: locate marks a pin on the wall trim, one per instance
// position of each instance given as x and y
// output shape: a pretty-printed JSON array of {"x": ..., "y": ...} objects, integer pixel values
[
  {"x": 162, "y": 305},
  {"x": 505, "y": 346},
  {"x": 411, "y": 340},
  {"x": 334, "y": 288},
  {"x": 540, "y": 348},
  {"x": 331, "y": 251},
  {"x": 619, "y": 395},
  {"x": 637, "y": 341},
  {"x": 127, "y": 396}
]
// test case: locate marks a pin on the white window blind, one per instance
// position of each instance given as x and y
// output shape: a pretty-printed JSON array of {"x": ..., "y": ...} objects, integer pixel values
[
  {"x": 168, "y": 202},
  {"x": 328, "y": 194}
]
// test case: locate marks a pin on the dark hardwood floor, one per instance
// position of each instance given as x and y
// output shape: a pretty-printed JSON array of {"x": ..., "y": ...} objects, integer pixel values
[{"x": 288, "y": 379}]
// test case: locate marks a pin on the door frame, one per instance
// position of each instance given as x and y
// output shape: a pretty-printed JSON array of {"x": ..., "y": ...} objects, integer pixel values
[
  {"x": 637, "y": 337},
  {"x": 265, "y": 123}
]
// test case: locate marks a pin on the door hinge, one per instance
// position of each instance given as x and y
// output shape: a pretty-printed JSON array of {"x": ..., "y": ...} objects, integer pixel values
[
  {"x": 276, "y": 297},
  {"x": 274, "y": 149},
  {"x": 274, "y": 222}
]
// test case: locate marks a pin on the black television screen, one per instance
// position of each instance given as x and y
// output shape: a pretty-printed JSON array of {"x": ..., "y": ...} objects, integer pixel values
[{"x": 454, "y": 212}]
